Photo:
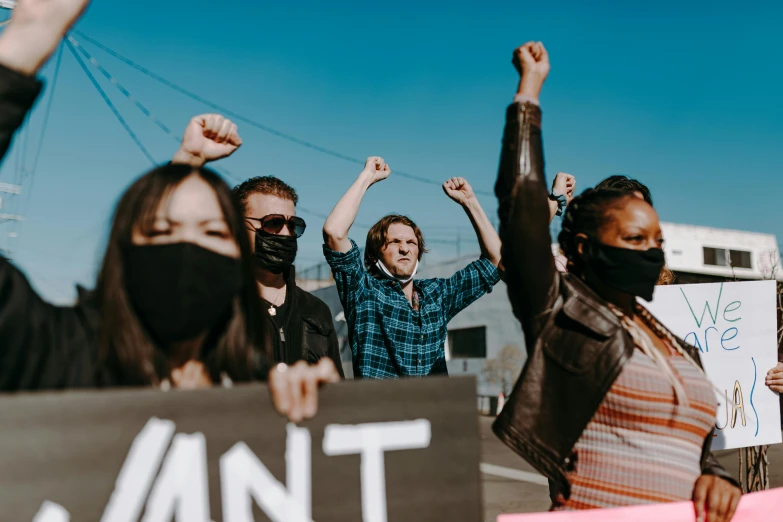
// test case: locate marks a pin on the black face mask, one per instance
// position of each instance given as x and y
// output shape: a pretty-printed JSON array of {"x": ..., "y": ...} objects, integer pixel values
[
  {"x": 180, "y": 290},
  {"x": 275, "y": 253},
  {"x": 634, "y": 272}
]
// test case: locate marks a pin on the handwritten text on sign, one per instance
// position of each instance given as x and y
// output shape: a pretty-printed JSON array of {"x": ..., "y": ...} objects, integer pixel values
[{"x": 733, "y": 326}]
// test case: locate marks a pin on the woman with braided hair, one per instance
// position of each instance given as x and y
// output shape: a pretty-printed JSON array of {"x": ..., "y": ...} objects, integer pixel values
[{"x": 611, "y": 407}]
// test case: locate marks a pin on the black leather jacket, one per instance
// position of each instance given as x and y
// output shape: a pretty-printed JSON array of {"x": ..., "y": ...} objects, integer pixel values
[{"x": 576, "y": 346}]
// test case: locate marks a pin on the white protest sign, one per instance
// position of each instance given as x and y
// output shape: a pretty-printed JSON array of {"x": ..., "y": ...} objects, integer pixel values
[{"x": 734, "y": 327}]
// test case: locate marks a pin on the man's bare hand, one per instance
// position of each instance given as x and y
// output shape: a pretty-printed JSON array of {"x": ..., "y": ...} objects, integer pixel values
[
  {"x": 208, "y": 137},
  {"x": 376, "y": 169},
  {"x": 459, "y": 190},
  {"x": 532, "y": 62},
  {"x": 35, "y": 30}
]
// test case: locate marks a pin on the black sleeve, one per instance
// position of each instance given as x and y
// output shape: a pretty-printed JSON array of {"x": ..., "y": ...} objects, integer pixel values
[
  {"x": 17, "y": 95},
  {"x": 31, "y": 340},
  {"x": 711, "y": 466},
  {"x": 24, "y": 317},
  {"x": 334, "y": 345},
  {"x": 523, "y": 209}
]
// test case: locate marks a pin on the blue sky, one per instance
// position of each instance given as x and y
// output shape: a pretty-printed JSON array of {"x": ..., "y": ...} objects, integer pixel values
[{"x": 684, "y": 97}]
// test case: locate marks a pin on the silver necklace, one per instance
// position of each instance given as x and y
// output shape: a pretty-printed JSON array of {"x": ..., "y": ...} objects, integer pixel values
[{"x": 273, "y": 307}]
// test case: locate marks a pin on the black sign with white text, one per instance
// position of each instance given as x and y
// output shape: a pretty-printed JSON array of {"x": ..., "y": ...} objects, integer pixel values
[{"x": 405, "y": 450}]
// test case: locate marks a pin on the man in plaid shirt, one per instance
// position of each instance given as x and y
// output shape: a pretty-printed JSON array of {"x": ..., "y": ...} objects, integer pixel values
[{"x": 398, "y": 326}]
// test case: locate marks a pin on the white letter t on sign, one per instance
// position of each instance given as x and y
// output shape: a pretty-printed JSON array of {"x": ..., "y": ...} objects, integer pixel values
[{"x": 371, "y": 440}]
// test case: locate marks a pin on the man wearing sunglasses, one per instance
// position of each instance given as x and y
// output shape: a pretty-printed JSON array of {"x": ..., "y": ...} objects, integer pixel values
[
  {"x": 304, "y": 326},
  {"x": 398, "y": 326}
]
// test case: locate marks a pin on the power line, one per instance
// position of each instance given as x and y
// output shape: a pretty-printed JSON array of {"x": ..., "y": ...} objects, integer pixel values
[
  {"x": 108, "y": 102},
  {"x": 137, "y": 103},
  {"x": 247, "y": 120},
  {"x": 44, "y": 126}
]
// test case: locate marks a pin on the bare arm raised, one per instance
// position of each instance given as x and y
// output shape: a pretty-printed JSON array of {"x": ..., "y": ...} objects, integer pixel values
[
  {"x": 459, "y": 190},
  {"x": 35, "y": 31},
  {"x": 342, "y": 217}
]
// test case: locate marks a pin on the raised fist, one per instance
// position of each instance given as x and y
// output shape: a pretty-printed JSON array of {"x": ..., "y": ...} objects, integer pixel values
[
  {"x": 54, "y": 16},
  {"x": 459, "y": 190},
  {"x": 35, "y": 30},
  {"x": 532, "y": 62},
  {"x": 564, "y": 184},
  {"x": 208, "y": 137},
  {"x": 376, "y": 168}
]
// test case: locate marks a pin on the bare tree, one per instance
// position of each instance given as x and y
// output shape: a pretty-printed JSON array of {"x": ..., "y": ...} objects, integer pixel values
[
  {"x": 505, "y": 368},
  {"x": 753, "y": 461}
]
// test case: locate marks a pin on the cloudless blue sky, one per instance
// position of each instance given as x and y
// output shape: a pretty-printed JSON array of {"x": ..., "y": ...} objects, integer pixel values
[{"x": 686, "y": 96}]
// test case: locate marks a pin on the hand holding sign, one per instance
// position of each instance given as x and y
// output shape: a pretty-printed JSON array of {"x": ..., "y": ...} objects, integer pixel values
[
  {"x": 295, "y": 388},
  {"x": 715, "y": 499},
  {"x": 774, "y": 379}
]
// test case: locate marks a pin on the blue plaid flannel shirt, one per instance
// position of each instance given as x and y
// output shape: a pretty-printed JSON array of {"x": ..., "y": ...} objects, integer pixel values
[{"x": 390, "y": 339}]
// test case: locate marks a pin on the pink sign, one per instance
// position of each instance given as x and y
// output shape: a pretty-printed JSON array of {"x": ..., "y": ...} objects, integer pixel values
[{"x": 755, "y": 507}]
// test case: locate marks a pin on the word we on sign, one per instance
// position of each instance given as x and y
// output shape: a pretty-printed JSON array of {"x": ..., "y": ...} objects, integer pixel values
[
  {"x": 734, "y": 327},
  {"x": 225, "y": 455}
]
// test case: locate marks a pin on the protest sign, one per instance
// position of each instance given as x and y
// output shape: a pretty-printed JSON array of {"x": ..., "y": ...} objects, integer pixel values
[
  {"x": 733, "y": 325},
  {"x": 381, "y": 450},
  {"x": 764, "y": 505}
]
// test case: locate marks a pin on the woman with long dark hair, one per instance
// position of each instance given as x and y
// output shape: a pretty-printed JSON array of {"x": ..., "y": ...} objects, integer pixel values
[
  {"x": 176, "y": 299},
  {"x": 610, "y": 406}
]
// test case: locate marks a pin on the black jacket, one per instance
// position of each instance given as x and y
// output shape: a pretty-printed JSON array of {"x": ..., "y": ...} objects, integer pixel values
[
  {"x": 576, "y": 346},
  {"x": 43, "y": 346},
  {"x": 308, "y": 333}
]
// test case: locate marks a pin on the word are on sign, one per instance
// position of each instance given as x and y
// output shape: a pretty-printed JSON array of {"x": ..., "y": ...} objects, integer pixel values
[
  {"x": 225, "y": 455},
  {"x": 734, "y": 327}
]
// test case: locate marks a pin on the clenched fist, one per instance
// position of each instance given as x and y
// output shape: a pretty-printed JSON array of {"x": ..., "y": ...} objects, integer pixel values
[
  {"x": 56, "y": 16},
  {"x": 208, "y": 137},
  {"x": 35, "y": 30},
  {"x": 459, "y": 190},
  {"x": 376, "y": 168},
  {"x": 532, "y": 62},
  {"x": 564, "y": 185}
]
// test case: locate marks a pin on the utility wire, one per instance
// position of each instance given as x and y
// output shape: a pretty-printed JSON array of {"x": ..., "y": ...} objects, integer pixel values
[
  {"x": 44, "y": 126},
  {"x": 108, "y": 102},
  {"x": 239, "y": 117}
]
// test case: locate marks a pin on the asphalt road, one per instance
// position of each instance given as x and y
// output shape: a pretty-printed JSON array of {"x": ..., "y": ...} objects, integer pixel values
[{"x": 512, "y": 486}]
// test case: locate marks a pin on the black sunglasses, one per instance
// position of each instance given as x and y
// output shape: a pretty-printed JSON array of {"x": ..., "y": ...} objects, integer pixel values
[{"x": 274, "y": 223}]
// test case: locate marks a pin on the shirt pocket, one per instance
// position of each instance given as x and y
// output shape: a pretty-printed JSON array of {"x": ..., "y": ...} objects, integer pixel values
[
  {"x": 575, "y": 350},
  {"x": 315, "y": 339}
]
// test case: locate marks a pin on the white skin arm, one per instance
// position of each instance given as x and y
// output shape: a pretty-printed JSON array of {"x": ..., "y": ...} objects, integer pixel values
[
  {"x": 459, "y": 190},
  {"x": 35, "y": 31},
  {"x": 339, "y": 222}
]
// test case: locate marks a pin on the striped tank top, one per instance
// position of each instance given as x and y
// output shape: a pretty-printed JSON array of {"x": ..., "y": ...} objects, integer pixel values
[{"x": 641, "y": 446}]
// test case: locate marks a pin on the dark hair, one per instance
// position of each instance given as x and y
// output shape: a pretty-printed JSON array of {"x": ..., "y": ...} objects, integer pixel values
[
  {"x": 586, "y": 214},
  {"x": 620, "y": 182},
  {"x": 269, "y": 185},
  {"x": 125, "y": 347},
  {"x": 376, "y": 239}
]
